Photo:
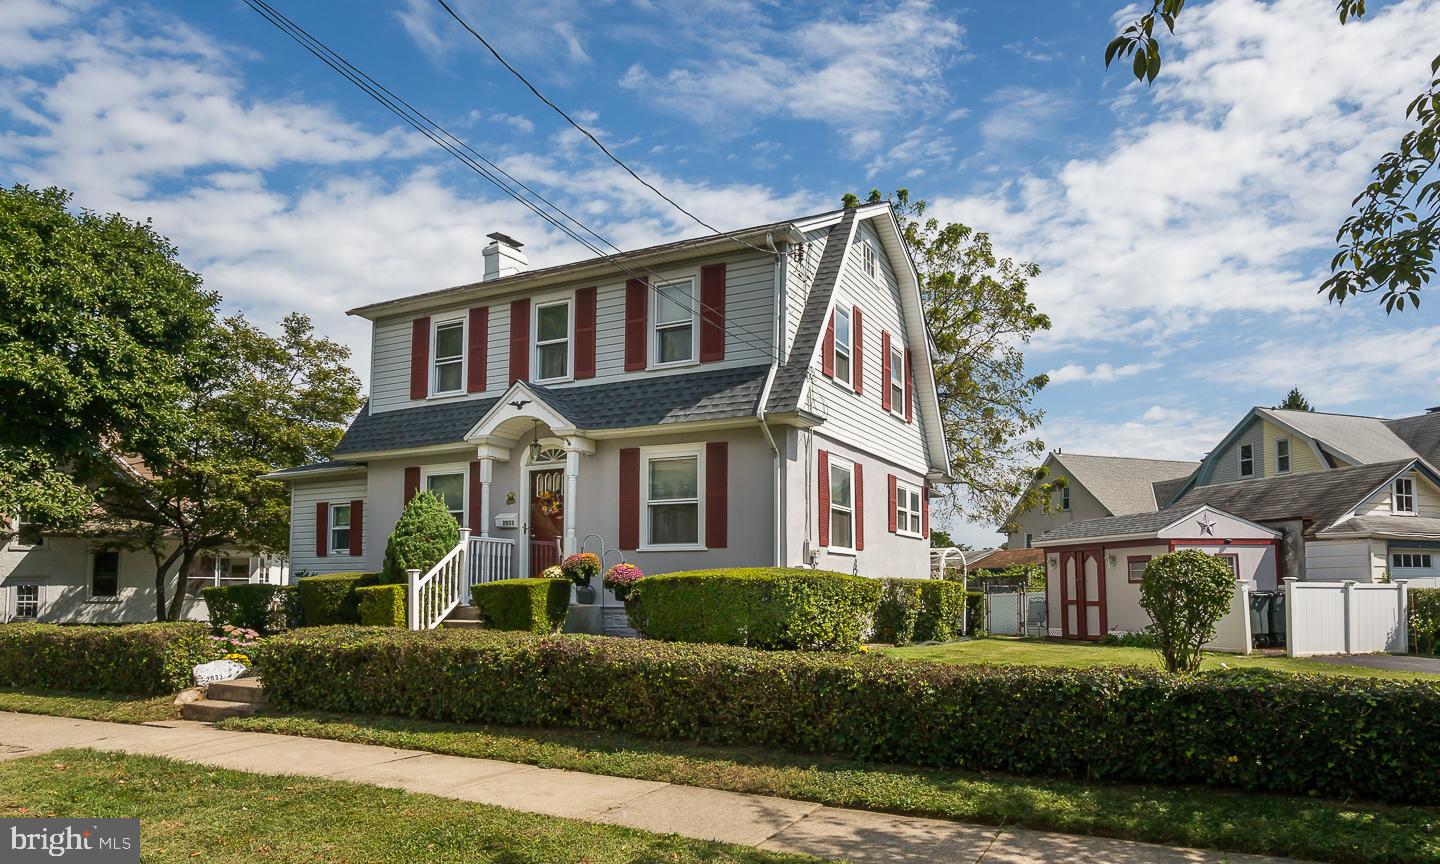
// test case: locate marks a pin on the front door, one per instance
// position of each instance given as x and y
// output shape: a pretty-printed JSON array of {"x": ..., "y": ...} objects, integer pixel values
[
  {"x": 1082, "y": 600},
  {"x": 547, "y": 517}
]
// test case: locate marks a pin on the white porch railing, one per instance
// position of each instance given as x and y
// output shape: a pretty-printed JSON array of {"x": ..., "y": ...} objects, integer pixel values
[
  {"x": 491, "y": 559},
  {"x": 433, "y": 596}
]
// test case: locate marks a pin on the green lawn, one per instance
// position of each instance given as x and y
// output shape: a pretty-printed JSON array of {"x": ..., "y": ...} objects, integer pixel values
[
  {"x": 1187, "y": 816},
  {"x": 194, "y": 813},
  {"x": 1037, "y": 652},
  {"x": 90, "y": 706}
]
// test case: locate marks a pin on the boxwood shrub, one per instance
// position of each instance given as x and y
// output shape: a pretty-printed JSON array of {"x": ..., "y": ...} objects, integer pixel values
[
  {"x": 1424, "y": 620},
  {"x": 381, "y": 605},
  {"x": 1372, "y": 738},
  {"x": 151, "y": 659},
  {"x": 775, "y": 607},
  {"x": 533, "y": 605},
  {"x": 918, "y": 610},
  {"x": 256, "y": 606},
  {"x": 329, "y": 598}
]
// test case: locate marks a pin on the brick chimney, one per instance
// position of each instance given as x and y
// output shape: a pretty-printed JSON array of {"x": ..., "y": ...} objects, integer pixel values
[{"x": 503, "y": 257}]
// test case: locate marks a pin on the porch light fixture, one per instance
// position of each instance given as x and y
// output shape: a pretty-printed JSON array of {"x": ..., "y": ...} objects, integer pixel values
[{"x": 535, "y": 443}]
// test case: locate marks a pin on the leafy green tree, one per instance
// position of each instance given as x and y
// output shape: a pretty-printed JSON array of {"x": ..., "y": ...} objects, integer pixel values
[
  {"x": 1389, "y": 242},
  {"x": 980, "y": 316},
  {"x": 1186, "y": 593},
  {"x": 98, "y": 321},
  {"x": 425, "y": 533},
  {"x": 258, "y": 402},
  {"x": 1295, "y": 401}
]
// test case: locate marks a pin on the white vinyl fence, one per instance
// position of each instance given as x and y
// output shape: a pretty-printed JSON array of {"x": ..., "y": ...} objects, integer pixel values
[
  {"x": 1232, "y": 631},
  {"x": 1345, "y": 617}
]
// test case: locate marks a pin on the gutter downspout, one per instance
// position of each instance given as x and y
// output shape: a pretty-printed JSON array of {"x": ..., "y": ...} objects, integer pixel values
[{"x": 775, "y": 492}]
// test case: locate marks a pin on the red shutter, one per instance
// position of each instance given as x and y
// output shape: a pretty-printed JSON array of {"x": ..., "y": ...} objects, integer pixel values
[
  {"x": 909, "y": 385},
  {"x": 585, "y": 333},
  {"x": 478, "y": 350},
  {"x": 859, "y": 507},
  {"x": 827, "y": 349},
  {"x": 637, "y": 302},
  {"x": 419, "y": 358},
  {"x": 322, "y": 528},
  {"x": 885, "y": 362},
  {"x": 824, "y": 498},
  {"x": 925, "y": 510},
  {"x": 412, "y": 482},
  {"x": 472, "y": 517},
  {"x": 630, "y": 498},
  {"x": 712, "y": 313},
  {"x": 717, "y": 494},
  {"x": 519, "y": 340},
  {"x": 891, "y": 481},
  {"x": 857, "y": 372},
  {"x": 357, "y": 528}
]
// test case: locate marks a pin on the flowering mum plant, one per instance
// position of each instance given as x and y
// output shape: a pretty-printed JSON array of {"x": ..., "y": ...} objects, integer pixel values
[
  {"x": 236, "y": 642},
  {"x": 621, "y": 578},
  {"x": 581, "y": 567},
  {"x": 552, "y": 572}
]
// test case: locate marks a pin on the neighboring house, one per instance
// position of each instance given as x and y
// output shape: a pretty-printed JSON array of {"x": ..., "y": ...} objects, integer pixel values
[
  {"x": 997, "y": 560},
  {"x": 1097, "y": 486},
  {"x": 762, "y": 397},
  {"x": 89, "y": 577}
]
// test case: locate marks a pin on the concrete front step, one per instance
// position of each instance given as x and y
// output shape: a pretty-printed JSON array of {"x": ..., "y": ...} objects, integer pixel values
[
  {"x": 237, "y": 690},
  {"x": 215, "y": 710},
  {"x": 461, "y": 624},
  {"x": 464, "y": 613}
]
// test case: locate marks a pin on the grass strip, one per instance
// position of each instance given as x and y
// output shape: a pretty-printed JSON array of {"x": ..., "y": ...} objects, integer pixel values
[
  {"x": 114, "y": 707},
  {"x": 192, "y": 812},
  {"x": 1204, "y": 817}
]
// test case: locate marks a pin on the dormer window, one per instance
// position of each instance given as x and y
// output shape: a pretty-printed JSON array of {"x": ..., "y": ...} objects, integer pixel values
[
  {"x": 1247, "y": 460},
  {"x": 843, "y": 345},
  {"x": 552, "y": 341},
  {"x": 448, "y": 363},
  {"x": 868, "y": 259},
  {"x": 1282, "y": 456},
  {"x": 1402, "y": 498},
  {"x": 675, "y": 331}
]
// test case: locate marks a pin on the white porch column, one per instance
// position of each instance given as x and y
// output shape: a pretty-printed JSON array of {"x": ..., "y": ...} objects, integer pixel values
[
  {"x": 574, "y": 447},
  {"x": 487, "y": 474}
]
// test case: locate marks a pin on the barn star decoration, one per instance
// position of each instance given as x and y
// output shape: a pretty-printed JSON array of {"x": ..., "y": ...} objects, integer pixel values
[{"x": 1207, "y": 525}]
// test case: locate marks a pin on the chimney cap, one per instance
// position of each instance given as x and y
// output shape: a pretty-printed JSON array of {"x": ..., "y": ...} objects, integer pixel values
[{"x": 505, "y": 240}]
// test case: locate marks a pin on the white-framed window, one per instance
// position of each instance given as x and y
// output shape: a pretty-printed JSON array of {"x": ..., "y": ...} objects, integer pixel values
[
  {"x": 842, "y": 505},
  {"x": 449, "y": 484},
  {"x": 1135, "y": 568},
  {"x": 339, "y": 529},
  {"x": 447, "y": 367},
  {"x": 1247, "y": 460},
  {"x": 843, "y": 346},
  {"x": 1402, "y": 499},
  {"x": 673, "y": 479},
  {"x": 235, "y": 570},
  {"x": 908, "y": 507},
  {"x": 105, "y": 574},
  {"x": 897, "y": 382},
  {"x": 553, "y": 326},
  {"x": 675, "y": 335},
  {"x": 868, "y": 259},
  {"x": 1065, "y": 498},
  {"x": 27, "y": 602},
  {"x": 27, "y": 535},
  {"x": 1410, "y": 560},
  {"x": 1282, "y": 456},
  {"x": 1029, "y": 541}
]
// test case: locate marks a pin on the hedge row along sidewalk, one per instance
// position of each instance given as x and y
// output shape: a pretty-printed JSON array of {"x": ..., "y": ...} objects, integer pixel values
[
  {"x": 1366, "y": 738},
  {"x": 138, "y": 658}
]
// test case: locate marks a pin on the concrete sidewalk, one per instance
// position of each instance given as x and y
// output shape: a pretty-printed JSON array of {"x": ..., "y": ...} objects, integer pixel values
[{"x": 752, "y": 820}]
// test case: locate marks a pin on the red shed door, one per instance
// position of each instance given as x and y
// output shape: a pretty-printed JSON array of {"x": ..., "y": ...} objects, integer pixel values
[{"x": 1082, "y": 594}]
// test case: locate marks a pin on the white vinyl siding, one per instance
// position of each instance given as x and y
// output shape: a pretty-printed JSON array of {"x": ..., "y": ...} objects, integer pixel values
[{"x": 303, "y": 498}]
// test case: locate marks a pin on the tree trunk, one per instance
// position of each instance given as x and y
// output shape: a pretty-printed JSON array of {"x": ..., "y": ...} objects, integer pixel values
[
  {"x": 162, "y": 567},
  {"x": 177, "y": 602}
]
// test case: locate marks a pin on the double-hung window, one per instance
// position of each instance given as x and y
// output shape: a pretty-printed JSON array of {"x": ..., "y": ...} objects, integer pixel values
[
  {"x": 339, "y": 529},
  {"x": 842, "y": 344},
  {"x": 907, "y": 508},
  {"x": 27, "y": 601},
  {"x": 1403, "y": 498},
  {"x": 897, "y": 382},
  {"x": 1282, "y": 456},
  {"x": 28, "y": 535},
  {"x": 867, "y": 256},
  {"x": 674, "y": 323},
  {"x": 1065, "y": 498},
  {"x": 1247, "y": 460},
  {"x": 842, "y": 505},
  {"x": 105, "y": 574},
  {"x": 449, "y": 363},
  {"x": 672, "y": 497},
  {"x": 552, "y": 341},
  {"x": 450, "y": 486}
]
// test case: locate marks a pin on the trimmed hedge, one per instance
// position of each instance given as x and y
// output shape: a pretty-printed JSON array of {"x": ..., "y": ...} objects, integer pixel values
[
  {"x": 919, "y": 610},
  {"x": 152, "y": 659},
  {"x": 250, "y": 605},
  {"x": 774, "y": 607},
  {"x": 1424, "y": 620},
  {"x": 329, "y": 598},
  {"x": 532, "y": 605},
  {"x": 381, "y": 605},
  {"x": 1372, "y": 738}
]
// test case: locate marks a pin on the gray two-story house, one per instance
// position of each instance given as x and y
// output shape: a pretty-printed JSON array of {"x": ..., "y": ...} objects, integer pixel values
[{"x": 756, "y": 398}]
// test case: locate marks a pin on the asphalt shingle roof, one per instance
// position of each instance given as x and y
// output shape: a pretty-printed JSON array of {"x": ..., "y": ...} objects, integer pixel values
[
  {"x": 1115, "y": 526},
  {"x": 1123, "y": 484},
  {"x": 1394, "y": 526},
  {"x": 1421, "y": 433},
  {"x": 790, "y": 380},
  {"x": 1364, "y": 439},
  {"x": 651, "y": 401},
  {"x": 332, "y": 465}
]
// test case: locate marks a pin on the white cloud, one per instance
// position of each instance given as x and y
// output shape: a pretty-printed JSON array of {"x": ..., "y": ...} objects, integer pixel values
[
  {"x": 518, "y": 122},
  {"x": 1024, "y": 113},
  {"x": 1157, "y": 433},
  {"x": 533, "y": 30},
  {"x": 1100, "y": 373}
]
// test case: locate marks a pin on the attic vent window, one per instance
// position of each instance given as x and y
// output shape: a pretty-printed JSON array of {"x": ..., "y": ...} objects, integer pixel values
[
  {"x": 867, "y": 255},
  {"x": 1403, "y": 498}
]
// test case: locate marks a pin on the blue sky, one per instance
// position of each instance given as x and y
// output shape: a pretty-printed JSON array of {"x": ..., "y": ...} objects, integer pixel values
[{"x": 1182, "y": 228}]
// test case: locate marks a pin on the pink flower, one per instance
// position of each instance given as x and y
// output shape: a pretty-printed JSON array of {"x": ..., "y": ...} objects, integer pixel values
[{"x": 622, "y": 576}]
